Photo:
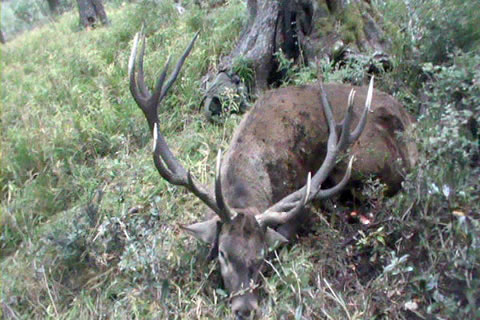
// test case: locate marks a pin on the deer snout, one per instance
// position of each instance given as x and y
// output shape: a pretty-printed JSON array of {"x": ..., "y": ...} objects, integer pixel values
[{"x": 245, "y": 307}]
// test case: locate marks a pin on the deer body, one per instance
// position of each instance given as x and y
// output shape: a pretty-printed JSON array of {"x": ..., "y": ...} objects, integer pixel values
[
  {"x": 285, "y": 135},
  {"x": 283, "y": 156}
]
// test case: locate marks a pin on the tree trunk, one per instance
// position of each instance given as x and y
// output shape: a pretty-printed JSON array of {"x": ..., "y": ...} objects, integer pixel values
[
  {"x": 90, "y": 12},
  {"x": 53, "y": 5},
  {"x": 2, "y": 37},
  {"x": 257, "y": 42},
  {"x": 303, "y": 31}
]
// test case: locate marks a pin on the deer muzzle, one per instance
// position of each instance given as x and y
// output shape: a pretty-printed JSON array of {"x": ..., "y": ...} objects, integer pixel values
[{"x": 245, "y": 307}]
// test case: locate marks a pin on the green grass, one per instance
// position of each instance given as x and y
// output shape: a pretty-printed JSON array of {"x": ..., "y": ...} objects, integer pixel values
[
  {"x": 67, "y": 106},
  {"x": 70, "y": 130}
]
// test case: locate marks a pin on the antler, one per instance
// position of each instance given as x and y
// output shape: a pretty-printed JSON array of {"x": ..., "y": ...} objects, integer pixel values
[
  {"x": 291, "y": 205},
  {"x": 166, "y": 163},
  {"x": 225, "y": 212}
]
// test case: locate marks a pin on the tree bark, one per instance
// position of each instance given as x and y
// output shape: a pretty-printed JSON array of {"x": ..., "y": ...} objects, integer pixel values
[
  {"x": 302, "y": 31},
  {"x": 91, "y": 11},
  {"x": 2, "y": 37},
  {"x": 258, "y": 40}
]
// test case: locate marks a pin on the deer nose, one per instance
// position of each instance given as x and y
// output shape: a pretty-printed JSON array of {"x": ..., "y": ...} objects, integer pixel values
[
  {"x": 242, "y": 314},
  {"x": 245, "y": 307}
]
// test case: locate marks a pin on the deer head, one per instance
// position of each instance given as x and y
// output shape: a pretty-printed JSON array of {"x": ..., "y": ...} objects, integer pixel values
[{"x": 240, "y": 240}]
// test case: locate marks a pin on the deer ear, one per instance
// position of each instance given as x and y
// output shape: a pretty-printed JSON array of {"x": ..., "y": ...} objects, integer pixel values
[
  {"x": 274, "y": 239},
  {"x": 205, "y": 231}
]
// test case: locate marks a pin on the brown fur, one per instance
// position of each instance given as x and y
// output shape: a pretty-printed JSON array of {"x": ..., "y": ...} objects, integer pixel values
[{"x": 284, "y": 137}]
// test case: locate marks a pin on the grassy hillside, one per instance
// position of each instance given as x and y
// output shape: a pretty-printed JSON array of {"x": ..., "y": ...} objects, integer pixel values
[
  {"x": 70, "y": 128},
  {"x": 89, "y": 230}
]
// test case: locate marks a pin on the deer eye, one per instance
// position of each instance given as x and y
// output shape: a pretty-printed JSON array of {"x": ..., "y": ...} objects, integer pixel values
[{"x": 222, "y": 255}]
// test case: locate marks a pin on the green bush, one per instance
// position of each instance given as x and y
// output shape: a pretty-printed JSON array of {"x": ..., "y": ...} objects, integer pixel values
[
  {"x": 453, "y": 111},
  {"x": 437, "y": 74},
  {"x": 446, "y": 26}
]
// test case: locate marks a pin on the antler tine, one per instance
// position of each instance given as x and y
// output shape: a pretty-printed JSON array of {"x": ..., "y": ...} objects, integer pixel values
[
  {"x": 131, "y": 74},
  {"x": 225, "y": 212},
  {"x": 176, "y": 177},
  {"x": 166, "y": 163},
  {"x": 156, "y": 97},
  {"x": 200, "y": 192},
  {"x": 178, "y": 67},
  {"x": 147, "y": 101},
  {"x": 271, "y": 217},
  {"x": 345, "y": 133},
  {"x": 285, "y": 209},
  {"x": 141, "y": 77},
  {"x": 327, "y": 193},
  {"x": 363, "y": 119}
]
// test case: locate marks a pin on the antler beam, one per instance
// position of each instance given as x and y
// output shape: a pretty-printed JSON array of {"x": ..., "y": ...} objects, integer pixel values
[{"x": 165, "y": 161}]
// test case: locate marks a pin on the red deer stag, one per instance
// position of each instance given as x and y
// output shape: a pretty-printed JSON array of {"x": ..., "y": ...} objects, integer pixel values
[{"x": 264, "y": 184}]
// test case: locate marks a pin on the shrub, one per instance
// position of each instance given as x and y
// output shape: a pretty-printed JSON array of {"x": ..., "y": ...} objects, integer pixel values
[{"x": 445, "y": 26}]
